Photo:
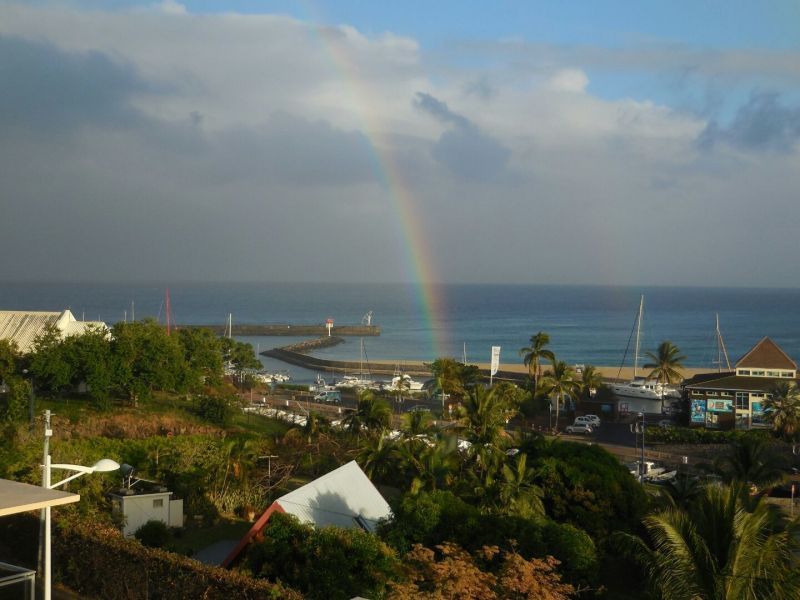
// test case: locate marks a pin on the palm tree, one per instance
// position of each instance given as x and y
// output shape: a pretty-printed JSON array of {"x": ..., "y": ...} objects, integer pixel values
[
  {"x": 782, "y": 408},
  {"x": 591, "y": 379},
  {"x": 723, "y": 547},
  {"x": 485, "y": 412},
  {"x": 665, "y": 364},
  {"x": 559, "y": 381},
  {"x": 430, "y": 466},
  {"x": 517, "y": 493},
  {"x": 371, "y": 414},
  {"x": 753, "y": 461},
  {"x": 377, "y": 456},
  {"x": 416, "y": 422},
  {"x": 532, "y": 355}
]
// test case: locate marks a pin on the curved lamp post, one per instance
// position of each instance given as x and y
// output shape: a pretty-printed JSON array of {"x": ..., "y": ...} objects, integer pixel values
[{"x": 101, "y": 466}]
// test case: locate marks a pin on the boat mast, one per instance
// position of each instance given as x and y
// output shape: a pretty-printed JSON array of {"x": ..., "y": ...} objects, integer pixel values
[
  {"x": 721, "y": 350},
  {"x": 638, "y": 332}
]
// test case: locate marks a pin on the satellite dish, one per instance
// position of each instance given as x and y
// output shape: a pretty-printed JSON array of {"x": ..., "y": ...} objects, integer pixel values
[{"x": 126, "y": 470}]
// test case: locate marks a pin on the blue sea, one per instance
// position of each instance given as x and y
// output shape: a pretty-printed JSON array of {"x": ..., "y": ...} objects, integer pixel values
[{"x": 587, "y": 324}]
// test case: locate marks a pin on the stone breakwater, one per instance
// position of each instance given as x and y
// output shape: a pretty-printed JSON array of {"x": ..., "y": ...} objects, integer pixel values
[{"x": 283, "y": 329}]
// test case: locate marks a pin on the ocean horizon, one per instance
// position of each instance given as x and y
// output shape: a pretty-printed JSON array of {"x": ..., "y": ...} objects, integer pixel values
[{"x": 588, "y": 324}]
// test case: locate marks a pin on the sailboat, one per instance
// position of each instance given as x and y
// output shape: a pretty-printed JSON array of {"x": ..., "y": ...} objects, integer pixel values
[
  {"x": 359, "y": 381},
  {"x": 642, "y": 394}
]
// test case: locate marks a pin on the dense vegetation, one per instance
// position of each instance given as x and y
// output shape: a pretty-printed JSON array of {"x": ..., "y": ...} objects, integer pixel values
[{"x": 481, "y": 508}]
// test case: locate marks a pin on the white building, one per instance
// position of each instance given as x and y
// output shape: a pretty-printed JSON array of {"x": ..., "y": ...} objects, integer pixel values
[
  {"x": 345, "y": 497},
  {"x": 139, "y": 507},
  {"x": 22, "y": 327}
]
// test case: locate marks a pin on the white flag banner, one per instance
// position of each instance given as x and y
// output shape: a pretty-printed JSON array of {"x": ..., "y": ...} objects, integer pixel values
[{"x": 495, "y": 360}]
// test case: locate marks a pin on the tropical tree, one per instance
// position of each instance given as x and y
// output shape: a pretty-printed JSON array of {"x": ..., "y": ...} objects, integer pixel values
[
  {"x": 416, "y": 423},
  {"x": 429, "y": 466},
  {"x": 782, "y": 408},
  {"x": 665, "y": 364},
  {"x": 591, "y": 379},
  {"x": 752, "y": 460},
  {"x": 558, "y": 382},
  {"x": 722, "y": 547},
  {"x": 371, "y": 414},
  {"x": 377, "y": 456},
  {"x": 9, "y": 359},
  {"x": 454, "y": 378},
  {"x": 51, "y": 366},
  {"x": 517, "y": 492},
  {"x": 532, "y": 355}
]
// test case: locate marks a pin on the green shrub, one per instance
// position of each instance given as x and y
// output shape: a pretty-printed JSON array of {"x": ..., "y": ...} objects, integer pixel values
[
  {"x": 97, "y": 562},
  {"x": 330, "y": 563},
  {"x": 153, "y": 534},
  {"x": 215, "y": 409},
  {"x": 699, "y": 435}
]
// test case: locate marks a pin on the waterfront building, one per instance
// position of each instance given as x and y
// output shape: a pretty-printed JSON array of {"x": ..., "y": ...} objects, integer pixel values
[
  {"x": 735, "y": 399},
  {"x": 22, "y": 326}
]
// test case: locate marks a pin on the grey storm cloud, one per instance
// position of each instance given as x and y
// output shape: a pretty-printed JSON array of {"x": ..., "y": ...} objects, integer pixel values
[
  {"x": 463, "y": 149},
  {"x": 763, "y": 123},
  {"x": 46, "y": 88}
]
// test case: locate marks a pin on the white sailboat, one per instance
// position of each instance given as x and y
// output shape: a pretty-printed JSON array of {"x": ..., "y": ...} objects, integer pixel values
[{"x": 642, "y": 394}]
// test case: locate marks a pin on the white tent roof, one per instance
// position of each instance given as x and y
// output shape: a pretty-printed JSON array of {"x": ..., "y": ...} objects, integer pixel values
[
  {"x": 16, "y": 497},
  {"x": 22, "y": 327},
  {"x": 344, "y": 497}
]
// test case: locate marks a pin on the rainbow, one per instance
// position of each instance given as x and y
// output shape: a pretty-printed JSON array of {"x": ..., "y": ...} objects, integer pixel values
[{"x": 418, "y": 259}]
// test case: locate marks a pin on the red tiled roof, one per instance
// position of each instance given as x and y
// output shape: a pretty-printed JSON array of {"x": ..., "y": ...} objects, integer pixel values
[{"x": 766, "y": 354}]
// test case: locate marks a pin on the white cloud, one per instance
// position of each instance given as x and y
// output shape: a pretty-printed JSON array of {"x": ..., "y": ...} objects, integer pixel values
[
  {"x": 256, "y": 145},
  {"x": 568, "y": 80}
]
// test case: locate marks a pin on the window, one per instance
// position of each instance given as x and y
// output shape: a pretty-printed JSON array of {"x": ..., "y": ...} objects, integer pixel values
[
  {"x": 709, "y": 393},
  {"x": 787, "y": 374},
  {"x": 158, "y": 503},
  {"x": 744, "y": 371},
  {"x": 758, "y": 373},
  {"x": 742, "y": 401},
  {"x": 773, "y": 374}
]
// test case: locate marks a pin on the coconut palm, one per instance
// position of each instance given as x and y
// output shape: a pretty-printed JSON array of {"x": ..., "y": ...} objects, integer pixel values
[
  {"x": 665, "y": 364},
  {"x": 591, "y": 379},
  {"x": 753, "y": 461},
  {"x": 377, "y": 456},
  {"x": 431, "y": 465},
  {"x": 517, "y": 493},
  {"x": 782, "y": 408},
  {"x": 559, "y": 381},
  {"x": 485, "y": 412},
  {"x": 417, "y": 422},
  {"x": 371, "y": 414},
  {"x": 532, "y": 355},
  {"x": 722, "y": 547}
]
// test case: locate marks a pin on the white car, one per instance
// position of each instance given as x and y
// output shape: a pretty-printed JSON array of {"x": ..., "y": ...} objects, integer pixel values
[
  {"x": 578, "y": 428},
  {"x": 593, "y": 419},
  {"x": 590, "y": 420}
]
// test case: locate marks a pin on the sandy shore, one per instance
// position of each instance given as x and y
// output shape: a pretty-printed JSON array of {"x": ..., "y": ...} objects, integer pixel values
[{"x": 607, "y": 372}]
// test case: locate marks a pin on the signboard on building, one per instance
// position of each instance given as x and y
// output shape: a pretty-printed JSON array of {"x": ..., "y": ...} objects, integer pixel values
[
  {"x": 720, "y": 405},
  {"x": 758, "y": 417},
  {"x": 699, "y": 412}
]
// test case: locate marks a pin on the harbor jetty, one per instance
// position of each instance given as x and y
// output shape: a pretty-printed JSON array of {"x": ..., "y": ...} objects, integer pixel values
[{"x": 281, "y": 329}]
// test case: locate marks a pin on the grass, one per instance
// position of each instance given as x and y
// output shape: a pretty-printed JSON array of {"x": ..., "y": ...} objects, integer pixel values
[
  {"x": 263, "y": 426},
  {"x": 191, "y": 540}
]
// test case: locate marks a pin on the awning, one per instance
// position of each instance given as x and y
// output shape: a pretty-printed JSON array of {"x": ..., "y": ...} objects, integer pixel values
[{"x": 16, "y": 497}]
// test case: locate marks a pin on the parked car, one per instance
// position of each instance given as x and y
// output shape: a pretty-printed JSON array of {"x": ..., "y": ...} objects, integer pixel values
[
  {"x": 591, "y": 420},
  {"x": 665, "y": 424},
  {"x": 579, "y": 428},
  {"x": 329, "y": 396}
]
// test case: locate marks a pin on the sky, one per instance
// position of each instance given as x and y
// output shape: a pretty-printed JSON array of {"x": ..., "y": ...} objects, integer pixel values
[{"x": 622, "y": 143}]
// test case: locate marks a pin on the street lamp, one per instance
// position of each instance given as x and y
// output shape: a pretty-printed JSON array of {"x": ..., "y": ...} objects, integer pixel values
[{"x": 103, "y": 465}]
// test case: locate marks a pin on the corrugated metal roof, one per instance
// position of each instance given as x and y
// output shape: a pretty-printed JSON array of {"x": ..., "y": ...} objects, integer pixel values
[
  {"x": 344, "y": 497},
  {"x": 22, "y": 327}
]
